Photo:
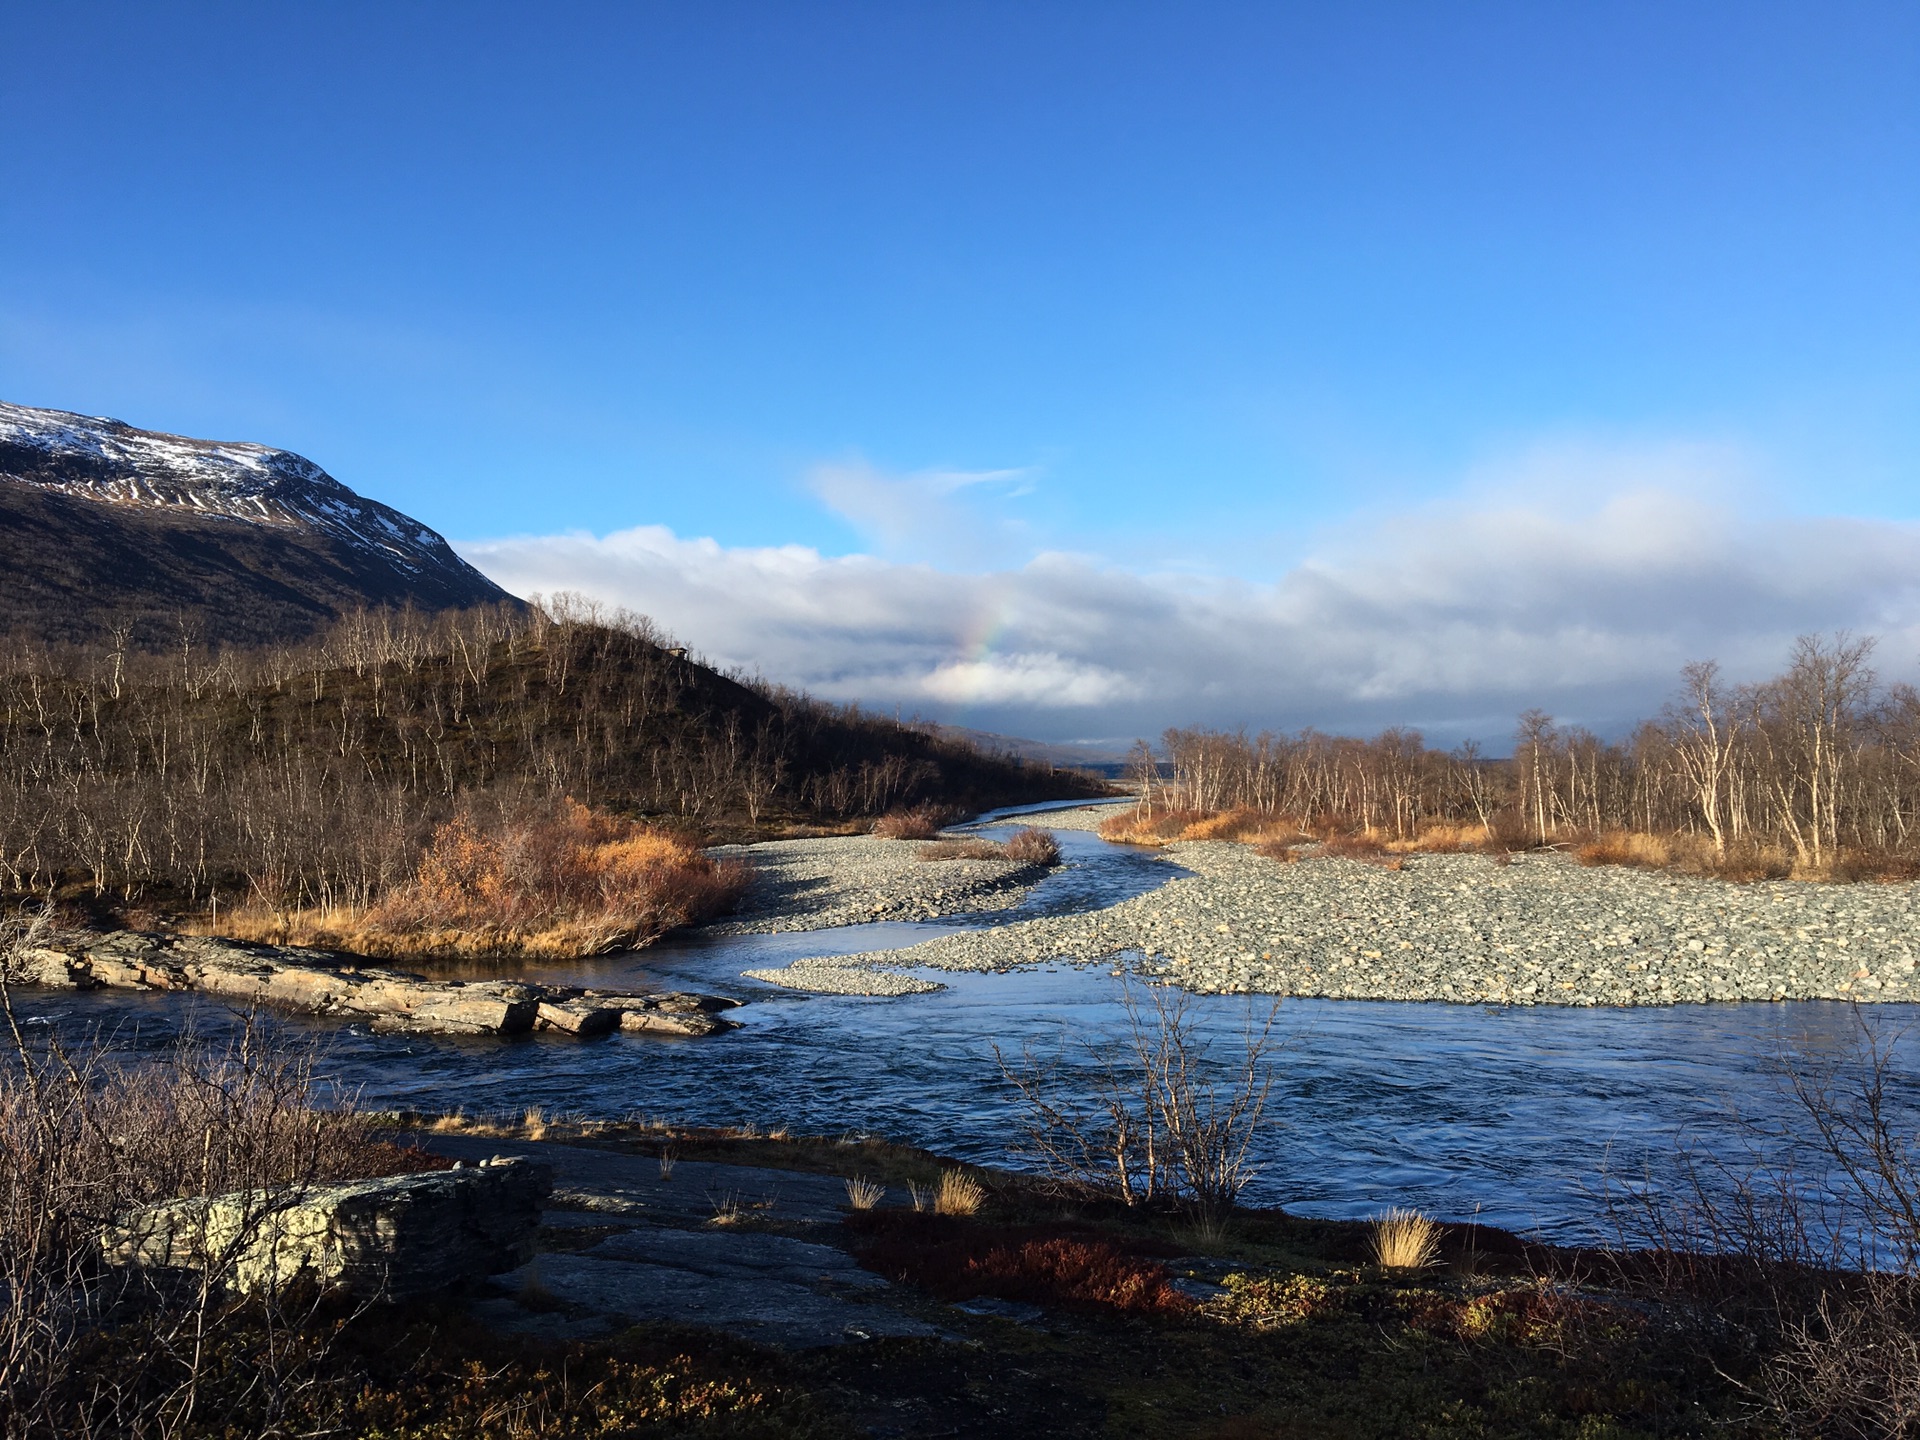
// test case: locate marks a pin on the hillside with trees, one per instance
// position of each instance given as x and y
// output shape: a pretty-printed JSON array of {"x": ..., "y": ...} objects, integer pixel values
[{"x": 317, "y": 772}]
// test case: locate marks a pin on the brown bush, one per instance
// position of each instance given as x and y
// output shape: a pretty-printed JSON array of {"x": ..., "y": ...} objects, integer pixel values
[
  {"x": 1031, "y": 846},
  {"x": 961, "y": 1260},
  {"x": 1623, "y": 847},
  {"x": 960, "y": 850},
  {"x": 580, "y": 883},
  {"x": 86, "y": 1137},
  {"x": 921, "y": 823},
  {"x": 1134, "y": 827}
]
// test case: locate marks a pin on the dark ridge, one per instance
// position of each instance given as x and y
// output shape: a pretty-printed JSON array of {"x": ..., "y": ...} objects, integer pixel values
[
  {"x": 72, "y": 568},
  {"x": 104, "y": 527}
]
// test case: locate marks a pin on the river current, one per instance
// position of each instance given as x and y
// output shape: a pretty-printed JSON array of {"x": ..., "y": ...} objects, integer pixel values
[{"x": 1516, "y": 1115}]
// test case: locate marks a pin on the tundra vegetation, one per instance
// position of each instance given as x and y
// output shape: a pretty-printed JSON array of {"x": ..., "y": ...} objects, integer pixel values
[
  {"x": 524, "y": 777},
  {"x": 1814, "y": 774},
  {"x": 1765, "y": 1300}
]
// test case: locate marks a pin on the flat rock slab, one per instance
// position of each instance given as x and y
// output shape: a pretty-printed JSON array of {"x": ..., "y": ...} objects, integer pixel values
[
  {"x": 741, "y": 1299},
  {"x": 319, "y": 983},
  {"x": 613, "y": 1183},
  {"x": 666, "y": 1261}
]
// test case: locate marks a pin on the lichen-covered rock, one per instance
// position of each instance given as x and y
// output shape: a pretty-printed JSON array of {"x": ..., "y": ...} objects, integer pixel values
[{"x": 394, "y": 1237}]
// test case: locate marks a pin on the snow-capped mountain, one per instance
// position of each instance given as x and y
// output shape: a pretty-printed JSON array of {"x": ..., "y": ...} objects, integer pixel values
[
  {"x": 100, "y": 459},
  {"x": 191, "y": 525}
]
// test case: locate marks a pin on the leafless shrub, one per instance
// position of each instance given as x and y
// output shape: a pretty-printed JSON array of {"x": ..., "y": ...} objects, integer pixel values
[
  {"x": 1164, "y": 1118},
  {"x": 84, "y": 1139},
  {"x": 921, "y": 823},
  {"x": 1809, "y": 1246},
  {"x": 1030, "y": 845}
]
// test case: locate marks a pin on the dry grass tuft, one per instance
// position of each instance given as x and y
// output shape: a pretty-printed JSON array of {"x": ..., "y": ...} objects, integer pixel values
[
  {"x": 667, "y": 1161},
  {"x": 1131, "y": 827},
  {"x": 920, "y": 1197},
  {"x": 864, "y": 1194},
  {"x": 1624, "y": 847},
  {"x": 584, "y": 883},
  {"x": 958, "y": 1193},
  {"x": 1446, "y": 839},
  {"x": 922, "y": 823},
  {"x": 1405, "y": 1240}
]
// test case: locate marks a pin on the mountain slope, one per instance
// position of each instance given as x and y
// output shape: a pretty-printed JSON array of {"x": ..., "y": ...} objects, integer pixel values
[{"x": 102, "y": 523}]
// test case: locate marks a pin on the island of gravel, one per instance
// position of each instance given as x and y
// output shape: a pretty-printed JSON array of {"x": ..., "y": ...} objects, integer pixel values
[
  {"x": 823, "y": 883},
  {"x": 1539, "y": 929}
]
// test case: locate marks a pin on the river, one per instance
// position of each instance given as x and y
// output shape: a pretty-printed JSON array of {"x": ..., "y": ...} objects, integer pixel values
[{"x": 1512, "y": 1114}]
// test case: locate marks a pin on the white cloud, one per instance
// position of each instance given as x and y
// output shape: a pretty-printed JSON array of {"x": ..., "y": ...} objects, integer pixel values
[
  {"x": 1584, "y": 596},
  {"x": 925, "y": 515}
]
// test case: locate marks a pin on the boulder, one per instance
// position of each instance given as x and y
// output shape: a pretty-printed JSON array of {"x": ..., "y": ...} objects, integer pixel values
[
  {"x": 394, "y": 1237},
  {"x": 578, "y": 1017},
  {"x": 53, "y": 968},
  {"x": 673, "y": 1013}
]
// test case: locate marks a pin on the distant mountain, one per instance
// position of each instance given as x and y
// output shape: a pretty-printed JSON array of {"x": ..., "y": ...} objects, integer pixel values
[
  {"x": 100, "y": 522},
  {"x": 1103, "y": 757}
]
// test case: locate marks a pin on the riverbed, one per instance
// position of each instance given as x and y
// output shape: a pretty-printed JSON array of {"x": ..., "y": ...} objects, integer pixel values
[{"x": 1514, "y": 1113}]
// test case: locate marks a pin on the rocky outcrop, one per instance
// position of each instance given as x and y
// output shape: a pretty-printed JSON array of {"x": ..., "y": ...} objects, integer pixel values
[
  {"x": 392, "y": 1238},
  {"x": 316, "y": 983}
]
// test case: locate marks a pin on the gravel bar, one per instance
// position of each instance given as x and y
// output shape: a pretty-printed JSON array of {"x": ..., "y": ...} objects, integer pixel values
[
  {"x": 855, "y": 879},
  {"x": 1541, "y": 930}
]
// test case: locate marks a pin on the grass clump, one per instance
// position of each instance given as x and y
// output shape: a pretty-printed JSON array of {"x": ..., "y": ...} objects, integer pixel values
[
  {"x": 1405, "y": 1240},
  {"x": 864, "y": 1194},
  {"x": 958, "y": 1193}
]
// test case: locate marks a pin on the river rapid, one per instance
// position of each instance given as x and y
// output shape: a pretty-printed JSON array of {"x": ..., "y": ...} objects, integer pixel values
[{"x": 1516, "y": 1115}]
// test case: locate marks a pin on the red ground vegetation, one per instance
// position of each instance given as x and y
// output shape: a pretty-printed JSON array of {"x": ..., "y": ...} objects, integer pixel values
[{"x": 1042, "y": 1265}]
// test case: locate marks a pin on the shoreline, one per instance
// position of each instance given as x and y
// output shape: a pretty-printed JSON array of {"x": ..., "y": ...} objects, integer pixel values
[{"x": 1541, "y": 930}]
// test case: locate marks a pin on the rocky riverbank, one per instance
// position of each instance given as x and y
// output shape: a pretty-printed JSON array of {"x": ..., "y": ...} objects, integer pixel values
[
  {"x": 1539, "y": 930},
  {"x": 318, "y": 983},
  {"x": 855, "y": 879}
]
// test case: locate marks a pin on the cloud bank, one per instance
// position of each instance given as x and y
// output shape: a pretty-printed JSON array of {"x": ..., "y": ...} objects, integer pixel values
[{"x": 1580, "y": 598}]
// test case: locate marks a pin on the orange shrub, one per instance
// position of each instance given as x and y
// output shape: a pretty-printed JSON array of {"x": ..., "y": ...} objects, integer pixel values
[{"x": 581, "y": 882}]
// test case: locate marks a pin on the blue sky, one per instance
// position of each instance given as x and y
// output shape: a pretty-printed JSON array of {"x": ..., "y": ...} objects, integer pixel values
[{"x": 1192, "y": 307}]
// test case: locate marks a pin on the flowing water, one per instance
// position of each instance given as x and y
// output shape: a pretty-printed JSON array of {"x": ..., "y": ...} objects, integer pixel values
[{"x": 1516, "y": 1114}]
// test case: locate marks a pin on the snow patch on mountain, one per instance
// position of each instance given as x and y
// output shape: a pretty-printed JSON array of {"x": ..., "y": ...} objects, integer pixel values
[{"x": 96, "y": 458}]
